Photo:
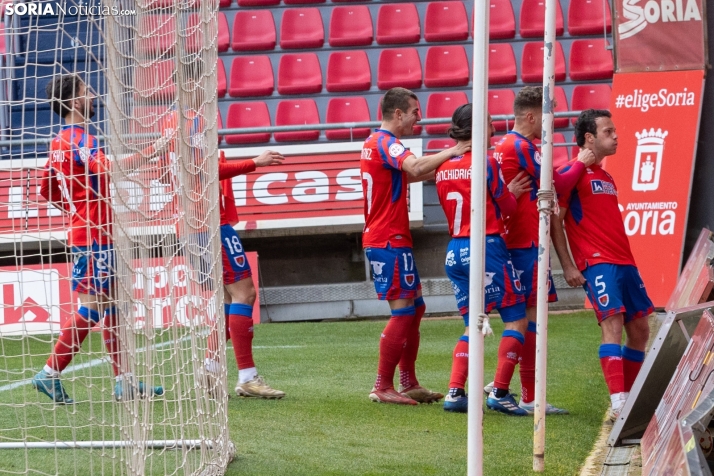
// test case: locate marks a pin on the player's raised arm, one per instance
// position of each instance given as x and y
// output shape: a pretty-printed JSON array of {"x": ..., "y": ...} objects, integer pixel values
[
  {"x": 565, "y": 178},
  {"x": 234, "y": 168}
]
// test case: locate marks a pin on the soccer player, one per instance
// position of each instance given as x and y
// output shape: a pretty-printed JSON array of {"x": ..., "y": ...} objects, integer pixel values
[
  {"x": 502, "y": 287},
  {"x": 239, "y": 291},
  {"x": 76, "y": 180},
  {"x": 387, "y": 167},
  {"x": 516, "y": 153},
  {"x": 604, "y": 264}
]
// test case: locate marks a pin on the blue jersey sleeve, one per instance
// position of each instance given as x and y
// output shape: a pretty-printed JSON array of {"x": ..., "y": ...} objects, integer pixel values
[
  {"x": 494, "y": 179},
  {"x": 392, "y": 152},
  {"x": 528, "y": 157}
]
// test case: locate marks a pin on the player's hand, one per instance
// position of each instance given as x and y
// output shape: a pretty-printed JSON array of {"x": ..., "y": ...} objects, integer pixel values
[
  {"x": 461, "y": 148},
  {"x": 587, "y": 157},
  {"x": 520, "y": 184},
  {"x": 168, "y": 136},
  {"x": 268, "y": 157},
  {"x": 573, "y": 277}
]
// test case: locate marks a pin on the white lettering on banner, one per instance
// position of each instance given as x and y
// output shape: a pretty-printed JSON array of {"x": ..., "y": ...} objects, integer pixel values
[
  {"x": 312, "y": 186},
  {"x": 648, "y": 159},
  {"x": 646, "y": 218},
  {"x": 20, "y": 207},
  {"x": 29, "y": 296},
  {"x": 654, "y": 11},
  {"x": 662, "y": 98},
  {"x": 153, "y": 278}
]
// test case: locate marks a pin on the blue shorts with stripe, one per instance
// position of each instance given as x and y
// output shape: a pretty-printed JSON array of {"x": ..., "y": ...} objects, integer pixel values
[
  {"x": 502, "y": 288},
  {"x": 394, "y": 272},
  {"x": 614, "y": 289},
  {"x": 233, "y": 259},
  {"x": 525, "y": 262},
  {"x": 93, "y": 270}
]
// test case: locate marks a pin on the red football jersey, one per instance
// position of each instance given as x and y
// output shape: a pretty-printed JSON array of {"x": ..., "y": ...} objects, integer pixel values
[
  {"x": 515, "y": 153},
  {"x": 76, "y": 178},
  {"x": 453, "y": 186},
  {"x": 593, "y": 223},
  {"x": 386, "y": 216}
]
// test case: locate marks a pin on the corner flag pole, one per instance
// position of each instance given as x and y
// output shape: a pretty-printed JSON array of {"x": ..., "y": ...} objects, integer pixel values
[
  {"x": 545, "y": 204},
  {"x": 477, "y": 242}
]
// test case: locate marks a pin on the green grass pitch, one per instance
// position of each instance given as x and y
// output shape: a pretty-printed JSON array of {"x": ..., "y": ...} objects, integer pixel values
[{"x": 326, "y": 424}]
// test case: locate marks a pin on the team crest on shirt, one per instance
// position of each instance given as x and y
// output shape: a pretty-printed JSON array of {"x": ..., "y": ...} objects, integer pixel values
[
  {"x": 604, "y": 300},
  {"x": 84, "y": 154},
  {"x": 396, "y": 149},
  {"x": 536, "y": 157},
  {"x": 409, "y": 279},
  {"x": 240, "y": 260}
]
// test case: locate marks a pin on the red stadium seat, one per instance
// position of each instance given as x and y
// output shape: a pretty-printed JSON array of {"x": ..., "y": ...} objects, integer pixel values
[
  {"x": 257, "y": 3},
  {"x": 299, "y": 73},
  {"x": 351, "y": 109},
  {"x": 501, "y": 20},
  {"x": 155, "y": 80},
  {"x": 224, "y": 35},
  {"x": 348, "y": 71},
  {"x": 533, "y": 19},
  {"x": 224, "y": 4},
  {"x": 248, "y": 114},
  {"x": 589, "y": 60},
  {"x": 221, "y": 78},
  {"x": 417, "y": 128},
  {"x": 446, "y": 66},
  {"x": 251, "y": 76},
  {"x": 443, "y": 105},
  {"x": 300, "y": 2},
  {"x": 532, "y": 63},
  {"x": 219, "y": 125},
  {"x": 351, "y": 26},
  {"x": 446, "y": 21},
  {"x": 253, "y": 30},
  {"x": 399, "y": 67},
  {"x": 588, "y": 17},
  {"x": 301, "y": 28},
  {"x": 501, "y": 64},
  {"x": 440, "y": 144},
  {"x": 156, "y": 34},
  {"x": 398, "y": 23},
  {"x": 500, "y": 102},
  {"x": 561, "y": 106},
  {"x": 293, "y": 112},
  {"x": 591, "y": 96}
]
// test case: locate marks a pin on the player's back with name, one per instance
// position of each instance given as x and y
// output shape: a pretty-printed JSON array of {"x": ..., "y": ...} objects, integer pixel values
[{"x": 77, "y": 180}]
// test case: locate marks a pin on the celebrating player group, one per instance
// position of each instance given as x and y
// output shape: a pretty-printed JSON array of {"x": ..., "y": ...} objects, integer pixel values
[{"x": 76, "y": 180}]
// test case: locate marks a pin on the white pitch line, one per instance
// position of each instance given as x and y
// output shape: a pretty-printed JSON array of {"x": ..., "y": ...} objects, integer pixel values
[{"x": 95, "y": 362}]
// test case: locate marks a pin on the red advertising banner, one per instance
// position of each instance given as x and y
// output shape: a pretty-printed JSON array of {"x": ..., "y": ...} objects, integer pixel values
[
  {"x": 659, "y": 35},
  {"x": 38, "y": 299},
  {"x": 657, "y": 121}
]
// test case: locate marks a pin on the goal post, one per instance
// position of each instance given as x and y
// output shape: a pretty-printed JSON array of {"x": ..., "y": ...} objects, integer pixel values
[{"x": 152, "y": 65}]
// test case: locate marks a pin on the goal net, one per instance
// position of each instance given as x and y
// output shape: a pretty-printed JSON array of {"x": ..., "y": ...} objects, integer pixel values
[{"x": 136, "y": 398}]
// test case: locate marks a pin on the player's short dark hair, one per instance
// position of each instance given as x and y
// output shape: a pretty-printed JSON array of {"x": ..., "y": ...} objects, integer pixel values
[
  {"x": 527, "y": 99},
  {"x": 396, "y": 98},
  {"x": 61, "y": 90},
  {"x": 586, "y": 123},
  {"x": 461, "y": 123}
]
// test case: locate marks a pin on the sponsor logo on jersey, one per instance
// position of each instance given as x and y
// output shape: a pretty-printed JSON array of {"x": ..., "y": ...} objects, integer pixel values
[
  {"x": 654, "y": 11},
  {"x": 602, "y": 187},
  {"x": 488, "y": 279},
  {"x": 648, "y": 159},
  {"x": 396, "y": 149}
]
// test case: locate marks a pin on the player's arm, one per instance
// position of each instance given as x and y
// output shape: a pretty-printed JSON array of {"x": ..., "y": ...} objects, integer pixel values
[
  {"x": 508, "y": 201},
  {"x": 227, "y": 170},
  {"x": 571, "y": 273},
  {"x": 417, "y": 167},
  {"x": 567, "y": 176},
  {"x": 428, "y": 176}
]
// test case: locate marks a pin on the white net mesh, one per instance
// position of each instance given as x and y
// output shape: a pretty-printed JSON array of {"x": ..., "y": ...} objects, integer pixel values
[{"x": 143, "y": 402}]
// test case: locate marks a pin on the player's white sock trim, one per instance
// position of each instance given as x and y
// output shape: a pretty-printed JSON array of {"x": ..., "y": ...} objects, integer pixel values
[
  {"x": 246, "y": 375},
  {"x": 212, "y": 366},
  {"x": 121, "y": 377},
  {"x": 50, "y": 371},
  {"x": 617, "y": 399}
]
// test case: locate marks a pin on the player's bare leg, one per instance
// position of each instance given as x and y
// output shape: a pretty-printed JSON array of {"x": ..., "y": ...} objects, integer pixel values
[{"x": 240, "y": 321}]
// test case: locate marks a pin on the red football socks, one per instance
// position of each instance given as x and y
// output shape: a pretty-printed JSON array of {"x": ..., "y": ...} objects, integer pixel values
[
  {"x": 612, "y": 368},
  {"x": 111, "y": 339},
  {"x": 527, "y": 369},
  {"x": 407, "y": 364},
  {"x": 509, "y": 350},
  {"x": 241, "y": 330},
  {"x": 391, "y": 345},
  {"x": 71, "y": 336},
  {"x": 460, "y": 365}
]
